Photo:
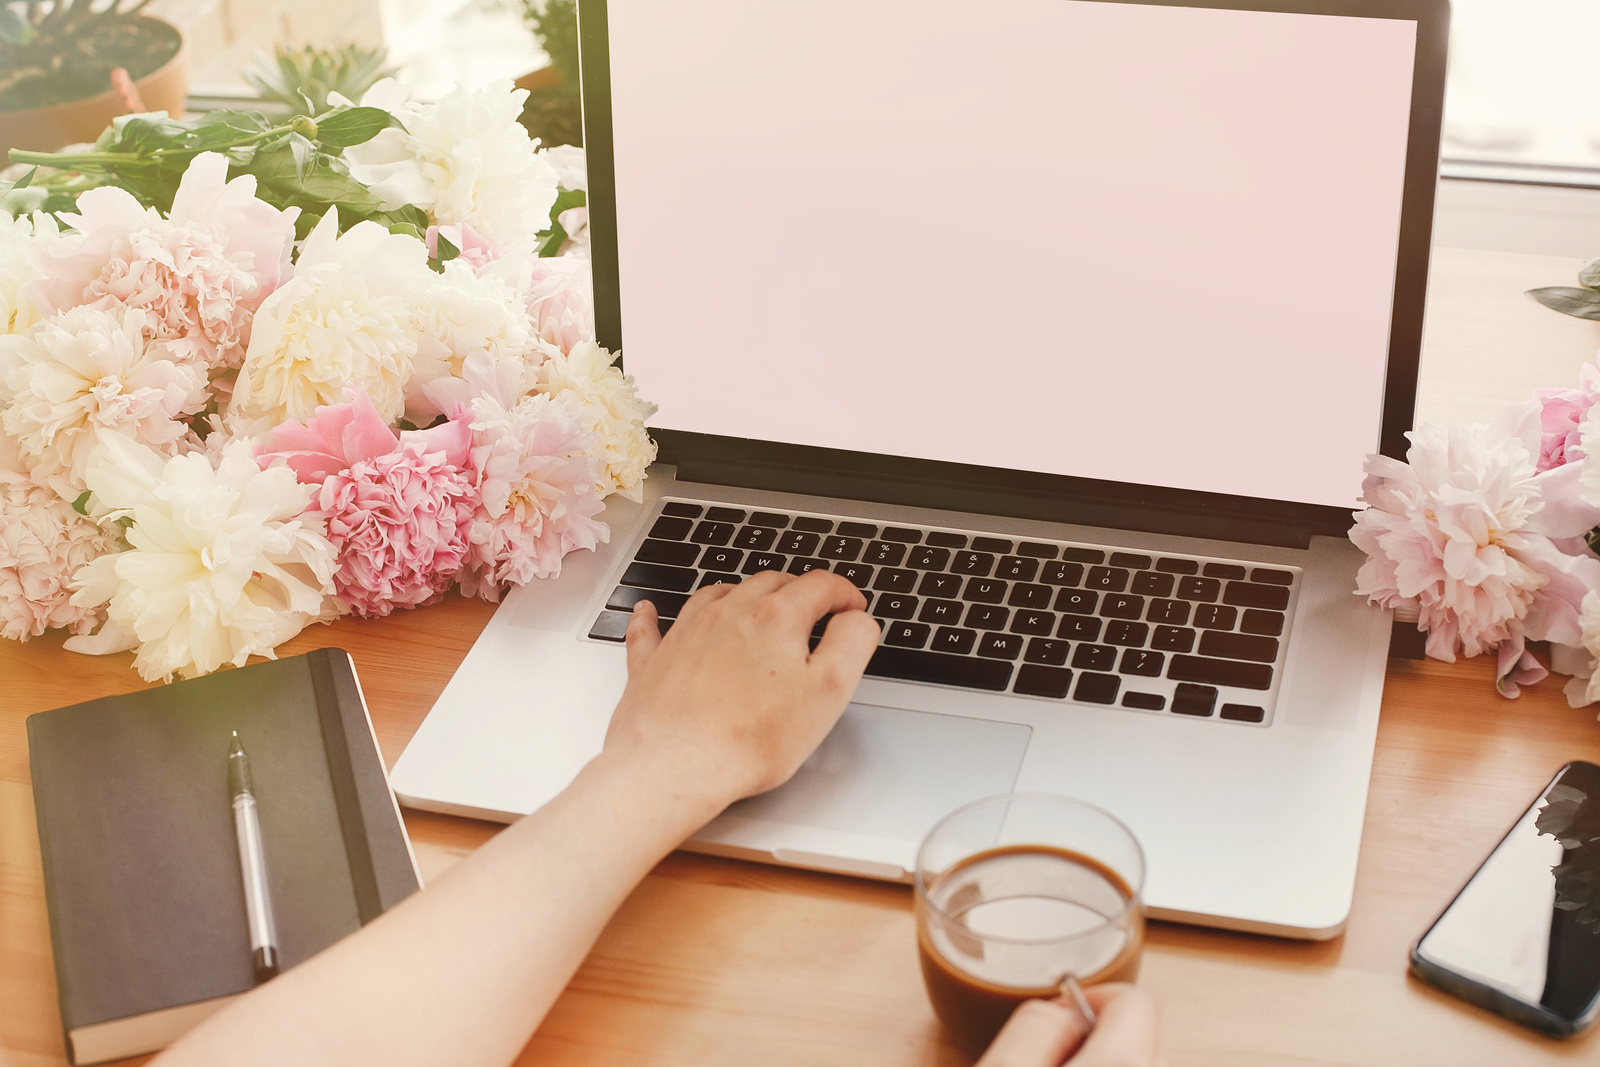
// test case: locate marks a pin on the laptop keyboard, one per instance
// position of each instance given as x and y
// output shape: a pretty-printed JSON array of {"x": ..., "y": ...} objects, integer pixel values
[{"x": 1054, "y": 620}]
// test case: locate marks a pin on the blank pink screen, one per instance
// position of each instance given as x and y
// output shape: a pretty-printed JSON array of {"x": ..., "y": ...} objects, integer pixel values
[{"x": 1146, "y": 244}]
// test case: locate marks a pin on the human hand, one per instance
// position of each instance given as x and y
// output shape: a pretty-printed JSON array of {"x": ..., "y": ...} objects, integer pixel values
[
  {"x": 732, "y": 701},
  {"x": 1045, "y": 1033}
]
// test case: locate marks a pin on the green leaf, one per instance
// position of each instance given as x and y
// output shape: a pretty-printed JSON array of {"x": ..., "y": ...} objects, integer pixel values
[
  {"x": 304, "y": 153},
  {"x": 447, "y": 249},
  {"x": 1589, "y": 273},
  {"x": 552, "y": 240},
  {"x": 568, "y": 199},
  {"x": 26, "y": 180},
  {"x": 353, "y": 125},
  {"x": 81, "y": 505},
  {"x": 1581, "y": 303}
]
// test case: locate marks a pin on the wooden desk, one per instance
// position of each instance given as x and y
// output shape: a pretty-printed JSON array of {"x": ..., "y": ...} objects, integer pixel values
[{"x": 717, "y": 962}]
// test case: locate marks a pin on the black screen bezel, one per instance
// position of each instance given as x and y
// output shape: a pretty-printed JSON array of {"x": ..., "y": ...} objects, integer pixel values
[{"x": 985, "y": 490}]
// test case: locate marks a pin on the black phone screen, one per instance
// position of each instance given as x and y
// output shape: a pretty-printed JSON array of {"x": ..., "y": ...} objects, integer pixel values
[{"x": 1526, "y": 927}]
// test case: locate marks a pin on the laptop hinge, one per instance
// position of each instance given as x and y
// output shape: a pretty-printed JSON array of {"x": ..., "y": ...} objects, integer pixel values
[{"x": 1014, "y": 503}]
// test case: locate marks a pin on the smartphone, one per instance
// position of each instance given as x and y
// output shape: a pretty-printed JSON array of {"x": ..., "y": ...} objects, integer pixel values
[{"x": 1522, "y": 937}]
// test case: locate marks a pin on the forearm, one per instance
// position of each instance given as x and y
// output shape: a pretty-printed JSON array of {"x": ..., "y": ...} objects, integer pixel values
[{"x": 464, "y": 972}]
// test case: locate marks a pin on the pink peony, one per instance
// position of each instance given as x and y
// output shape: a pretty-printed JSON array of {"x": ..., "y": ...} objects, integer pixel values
[
  {"x": 43, "y": 542},
  {"x": 202, "y": 271},
  {"x": 558, "y": 292}
]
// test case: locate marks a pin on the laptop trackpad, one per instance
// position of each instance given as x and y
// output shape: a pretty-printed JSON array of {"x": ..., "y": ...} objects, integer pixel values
[{"x": 893, "y": 773}]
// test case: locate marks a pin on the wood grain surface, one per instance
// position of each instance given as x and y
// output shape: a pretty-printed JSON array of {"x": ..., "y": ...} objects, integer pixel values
[{"x": 718, "y": 962}]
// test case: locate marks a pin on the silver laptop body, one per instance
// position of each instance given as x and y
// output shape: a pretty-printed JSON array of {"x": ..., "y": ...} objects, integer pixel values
[{"x": 1241, "y": 763}]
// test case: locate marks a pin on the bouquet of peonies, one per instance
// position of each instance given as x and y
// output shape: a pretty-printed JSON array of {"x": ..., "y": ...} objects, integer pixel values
[
  {"x": 1486, "y": 535},
  {"x": 215, "y": 430}
]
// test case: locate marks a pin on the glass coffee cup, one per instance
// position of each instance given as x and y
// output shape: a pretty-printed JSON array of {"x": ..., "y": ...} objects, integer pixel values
[{"x": 1014, "y": 895}]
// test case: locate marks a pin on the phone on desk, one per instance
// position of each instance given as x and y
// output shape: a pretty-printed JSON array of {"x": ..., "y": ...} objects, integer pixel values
[{"x": 1522, "y": 937}]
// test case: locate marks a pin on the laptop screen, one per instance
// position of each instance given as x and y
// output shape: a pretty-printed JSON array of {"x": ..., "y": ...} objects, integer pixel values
[{"x": 1146, "y": 244}]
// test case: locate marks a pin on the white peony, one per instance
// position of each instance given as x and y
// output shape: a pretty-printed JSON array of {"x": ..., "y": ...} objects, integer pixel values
[
  {"x": 608, "y": 408},
  {"x": 221, "y": 564},
  {"x": 1583, "y": 663},
  {"x": 19, "y": 309},
  {"x": 458, "y": 314},
  {"x": 463, "y": 159},
  {"x": 86, "y": 370},
  {"x": 558, "y": 292},
  {"x": 346, "y": 317}
]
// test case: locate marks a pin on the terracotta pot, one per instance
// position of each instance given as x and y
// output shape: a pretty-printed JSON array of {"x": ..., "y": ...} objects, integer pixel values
[
  {"x": 544, "y": 78},
  {"x": 45, "y": 129}
]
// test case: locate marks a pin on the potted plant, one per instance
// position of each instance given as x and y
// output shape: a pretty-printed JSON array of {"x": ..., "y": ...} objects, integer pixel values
[
  {"x": 58, "y": 64},
  {"x": 553, "y": 112}
]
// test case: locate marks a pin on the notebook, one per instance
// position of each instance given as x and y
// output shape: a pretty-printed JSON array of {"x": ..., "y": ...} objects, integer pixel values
[
  {"x": 141, "y": 866},
  {"x": 1062, "y": 329}
]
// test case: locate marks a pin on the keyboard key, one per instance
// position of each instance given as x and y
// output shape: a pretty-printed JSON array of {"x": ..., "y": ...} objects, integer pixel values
[
  {"x": 1095, "y": 657},
  {"x": 1033, "y": 622},
  {"x": 1177, "y": 566},
  {"x": 1131, "y": 560},
  {"x": 721, "y": 559},
  {"x": 1044, "y": 650},
  {"x": 841, "y": 547},
  {"x": 1251, "y": 595},
  {"x": 612, "y": 626},
  {"x": 884, "y": 554},
  {"x": 674, "y": 553},
  {"x": 924, "y": 558},
  {"x": 951, "y": 639},
  {"x": 763, "y": 561},
  {"x": 987, "y": 617},
  {"x": 940, "y": 539},
  {"x": 655, "y": 576},
  {"x": 1205, "y": 589},
  {"x": 1223, "y": 570},
  {"x": 1077, "y": 601},
  {"x": 1097, "y": 688},
  {"x": 1036, "y": 681},
  {"x": 1024, "y": 595},
  {"x": 1127, "y": 634},
  {"x": 679, "y": 508},
  {"x": 1062, "y": 573},
  {"x": 864, "y": 530},
  {"x": 1036, "y": 549},
  {"x": 1144, "y": 701},
  {"x": 1152, "y": 583},
  {"x": 1107, "y": 579},
  {"x": 713, "y": 533},
  {"x": 984, "y": 591},
  {"x": 915, "y": 665},
  {"x": 718, "y": 578},
  {"x": 1142, "y": 662},
  {"x": 906, "y": 634},
  {"x": 1243, "y": 712},
  {"x": 896, "y": 581},
  {"x": 796, "y": 543},
  {"x": 671, "y": 529},
  {"x": 1000, "y": 646},
  {"x": 1194, "y": 700},
  {"x": 944, "y": 612},
  {"x": 1079, "y": 628},
  {"x": 759, "y": 538},
  {"x": 1266, "y": 623},
  {"x": 1172, "y": 639},
  {"x": 997, "y": 545},
  {"x": 1171, "y": 612},
  {"x": 1239, "y": 646},
  {"x": 1017, "y": 569},
  {"x": 734, "y": 515},
  {"x": 624, "y": 597},
  {"x": 858, "y": 574},
  {"x": 896, "y": 606},
  {"x": 807, "y": 564},
  {"x": 945, "y": 585},
  {"x": 901, "y": 533},
  {"x": 1215, "y": 617},
  {"x": 978, "y": 563},
  {"x": 768, "y": 518},
  {"x": 1271, "y": 577},
  {"x": 811, "y": 525},
  {"x": 1121, "y": 606},
  {"x": 1220, "y": 672}
]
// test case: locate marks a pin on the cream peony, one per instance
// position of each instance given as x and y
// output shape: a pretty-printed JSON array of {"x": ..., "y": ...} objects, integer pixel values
[
  {"x": 345, "y": 318},
  {"x": 87, "y": 370},
  {"x": 1583, "y": 662},
  {"x": 458, "y": 314},
  {"x": 608, "y": 408},
  {"x": 43, "y": 542},
  {"x": 221, "y": 564},
  {"x": 18, "y": 306},
  {"x": 465, "y": 159},
  {"x": 558, "y": 292}
]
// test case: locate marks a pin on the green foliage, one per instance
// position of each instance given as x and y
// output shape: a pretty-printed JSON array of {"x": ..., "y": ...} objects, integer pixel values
[
  {"x": 554, "y": 114},
  {"x": 55, "y": 51},
  {"x": 1581, "y": 301},
  {"x": 301, "y": 79},
  {"x": 552, "y": 239}
]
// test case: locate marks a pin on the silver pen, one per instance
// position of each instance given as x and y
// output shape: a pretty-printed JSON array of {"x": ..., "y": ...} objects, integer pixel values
[{"x": 252, "y": 865}]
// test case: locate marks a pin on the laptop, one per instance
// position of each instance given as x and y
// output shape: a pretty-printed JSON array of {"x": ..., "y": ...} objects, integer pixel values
[{"x": 1062, "y": 329}]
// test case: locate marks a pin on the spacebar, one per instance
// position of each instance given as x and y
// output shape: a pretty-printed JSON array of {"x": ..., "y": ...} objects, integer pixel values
[{"x": 912, "y": 665}]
